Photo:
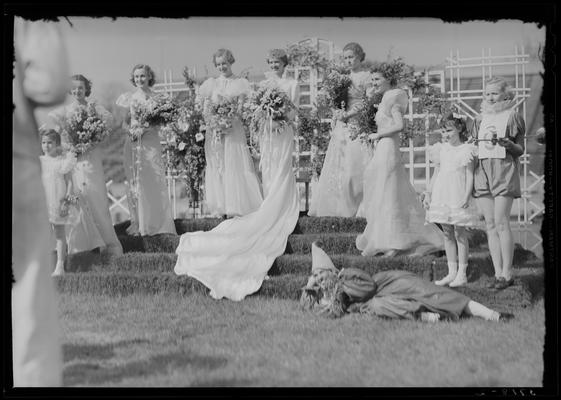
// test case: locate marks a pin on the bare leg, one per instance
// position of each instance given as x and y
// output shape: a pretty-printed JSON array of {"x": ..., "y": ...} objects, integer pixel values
[
  {"x": 487, "y": 206},
  {"x": 475, "y": 309},
  {"x": 463, "y": 250},
  {"x": 451, "y": 255},
  {"x": 503, "y": 205},
  {"x": 61, "y": 249}
]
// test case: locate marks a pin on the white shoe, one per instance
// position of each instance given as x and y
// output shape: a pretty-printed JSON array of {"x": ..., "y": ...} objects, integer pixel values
[
  {"x": 446, "y": 280},
  {"x": 133, "y": 230},
  {"x": 460, "y": 280},
  {"x": 58, "y": 272},
  {"x": 430, "y": 317}
]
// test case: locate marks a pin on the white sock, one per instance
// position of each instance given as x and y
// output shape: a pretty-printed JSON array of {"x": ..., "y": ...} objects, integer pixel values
[
  {"x": 452, "y": 272},
  {"x": 461, "y": 278}
]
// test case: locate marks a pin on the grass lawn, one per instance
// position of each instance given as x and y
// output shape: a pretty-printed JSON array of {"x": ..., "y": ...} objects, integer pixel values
[{"x": 179, "y": 341}]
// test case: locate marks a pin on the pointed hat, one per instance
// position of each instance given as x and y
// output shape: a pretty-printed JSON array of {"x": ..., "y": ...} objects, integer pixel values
[{"x": 320, "y": 260}]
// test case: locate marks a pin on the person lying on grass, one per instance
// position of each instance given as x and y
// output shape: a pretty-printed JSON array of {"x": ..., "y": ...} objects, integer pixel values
[{"x": 390, "y": 294}]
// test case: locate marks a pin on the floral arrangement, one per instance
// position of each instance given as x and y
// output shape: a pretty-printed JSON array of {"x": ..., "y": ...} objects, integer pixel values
[
  {"x": 157, "y": 110},
  {"x": 301, "y": 55},
  {"x": 220, "y": 115},
  {"x": 316, "y": 134},
  {"x": 84, "y": 128},
  {"x": 364, "y": 123},
  {"x": 268, "y": 105},
  {"x": 184, "y": 144},
  {"x": 335, "y": 88}
]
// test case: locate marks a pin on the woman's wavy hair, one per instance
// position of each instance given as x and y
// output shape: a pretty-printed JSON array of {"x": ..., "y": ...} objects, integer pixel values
[
  {"x": 278, "y": 54},
  {"x": 227, "y": 54},
  {"x": 86, "y": 81},
  {"x": 356, "y": 49},
  {"x": 149, "y": 71}
]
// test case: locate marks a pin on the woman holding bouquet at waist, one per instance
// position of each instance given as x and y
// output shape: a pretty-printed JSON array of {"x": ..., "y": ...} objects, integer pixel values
[
  {"x": 339, "y": 190},
  {"x": 232, "y": 260},
  {"x": 231, "y": 185},
  {"x": 87, "y": 176},
  {"x": 149, "y": 205}
]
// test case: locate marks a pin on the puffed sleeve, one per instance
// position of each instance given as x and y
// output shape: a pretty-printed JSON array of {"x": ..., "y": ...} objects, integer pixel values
[
  {"x": 44, "y": 59},
  {"x": 399, "y": 101},
  {"x": 241, "y": 87},
  {"x": 105, "y": 115},
  {"x": 57, "y": 116},
  {"x": 124, "y": 100},
  {"x": 68, "y": 163},
  {"x": 434, "y": 152},
  {"x": 206, "y": 88},
  {"x": 467, "y": 154}
]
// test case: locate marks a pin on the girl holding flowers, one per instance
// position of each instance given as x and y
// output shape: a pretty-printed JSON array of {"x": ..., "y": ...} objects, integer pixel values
[
  {"x": 395, "y": 217},
  {"x": 500, "y": 131},
  {"x": 340, "y": 189},
  {"x": 57, "y": 182},
  {"x": 231, "y": 184},
  {"x": 149, "y": 205},
  {"x": 85, "y": 125},
  {"x": 233, "y": 258}
]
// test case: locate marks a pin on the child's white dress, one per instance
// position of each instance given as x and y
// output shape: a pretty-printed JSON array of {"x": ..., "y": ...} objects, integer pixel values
[
  {"x": 449, "y": 186},
  {"x": 53, "y": 170}
]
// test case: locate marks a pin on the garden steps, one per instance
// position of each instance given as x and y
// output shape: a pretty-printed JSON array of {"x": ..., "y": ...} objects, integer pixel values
[
  {"x": 331, "y": 243},
  {"x": 287, "y": 286}
]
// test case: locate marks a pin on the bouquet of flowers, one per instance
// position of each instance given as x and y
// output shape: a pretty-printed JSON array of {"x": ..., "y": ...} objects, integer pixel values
[
  {"x": 364, "y": 123},
  {"x": 335, "y": 87},
  {"x": 221, "y": 114},
  {"x": 268, "y": 105},
  {"x": 84, "y": 128},
  {"x": 157, "y": 110}
]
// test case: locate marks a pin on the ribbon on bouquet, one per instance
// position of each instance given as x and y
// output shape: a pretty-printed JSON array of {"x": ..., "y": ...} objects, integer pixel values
[{"x": 266, "y": 146}]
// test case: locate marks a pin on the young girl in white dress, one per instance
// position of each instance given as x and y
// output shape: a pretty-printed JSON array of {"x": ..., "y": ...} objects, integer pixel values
[
  {"x": 232, "y": 260},
  {"x": 395, "y": 217},
  {"x": 56, "y": 174},
  {"x": 231, "y": 184},
  {"x": 339, "y": 190},
  {"x": 147, "y": 197},
  {"x": 449, "y": 201},
  {"x": 497, "y": 173},
  {"x": 89, "y": 180}
]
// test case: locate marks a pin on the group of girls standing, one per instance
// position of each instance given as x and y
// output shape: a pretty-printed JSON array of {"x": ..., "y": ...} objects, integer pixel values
[{"x": 233, "y": 258}]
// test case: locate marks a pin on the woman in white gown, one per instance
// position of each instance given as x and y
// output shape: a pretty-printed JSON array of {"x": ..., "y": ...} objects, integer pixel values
[
  {"x": 395, "y": 217},
  {"x": 231, "y": 184},
  {"x": 233, "y": 258},
  {"x": 339, "y": 190},
  {"x": 89, "y": 181},
  {"x": 147, "y": 197}
]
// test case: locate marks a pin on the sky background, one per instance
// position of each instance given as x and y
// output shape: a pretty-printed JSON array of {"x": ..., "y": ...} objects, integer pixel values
[{"x": 105, "y": 50}]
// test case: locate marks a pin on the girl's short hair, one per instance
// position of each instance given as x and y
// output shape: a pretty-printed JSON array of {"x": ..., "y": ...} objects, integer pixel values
[
  {"x": 227, "y": 54},
  {"x": 389, "y": 70},
  {"x": 356, "y": 49},
  {"x": 503, "y": 85},
  {"x": 149, "y": 71},
  {"x": 458, "y": 123},
  {"x": 278, "y": 54},
  {"x": 87, "y": 82},
  {"x": 50, "y": 133}
]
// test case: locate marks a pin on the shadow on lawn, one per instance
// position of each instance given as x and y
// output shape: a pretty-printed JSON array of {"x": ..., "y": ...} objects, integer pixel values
[{"x": 92, "y": 373}]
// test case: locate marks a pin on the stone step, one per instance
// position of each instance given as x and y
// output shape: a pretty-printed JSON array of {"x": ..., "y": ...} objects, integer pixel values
[
  {"x": 332, "y": 243},
  {"x": 286, "y": 286},
  {"x": 139, "y": 262}
]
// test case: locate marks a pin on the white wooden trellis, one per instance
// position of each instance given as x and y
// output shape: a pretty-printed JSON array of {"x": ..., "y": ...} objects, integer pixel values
[{"x": 487, "y": 65}]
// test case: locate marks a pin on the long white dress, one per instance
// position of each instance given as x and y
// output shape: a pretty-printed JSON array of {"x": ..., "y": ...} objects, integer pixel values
[
  {"x": 231, "y": 184},
  {"x": 144, "y": 169},
  {"x": 89, "y": 181},
  {"x": 395, "y": 217},
  {"x": 339, "y": 190},
  {"x": 232, "y": 260}
]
